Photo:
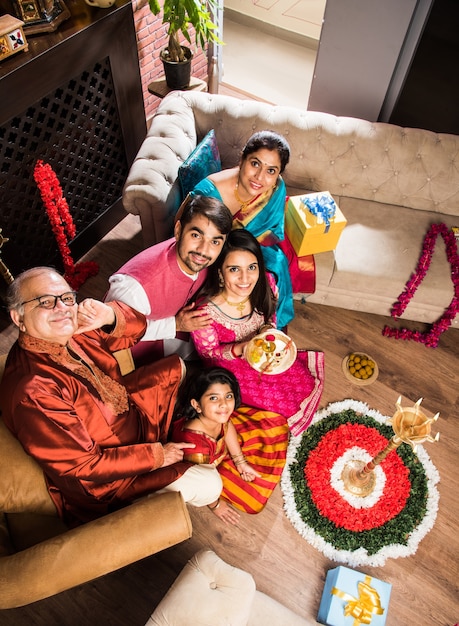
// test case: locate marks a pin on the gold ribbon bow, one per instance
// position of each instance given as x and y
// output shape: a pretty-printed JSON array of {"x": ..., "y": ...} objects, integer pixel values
[{"x": 365, "y": 606}]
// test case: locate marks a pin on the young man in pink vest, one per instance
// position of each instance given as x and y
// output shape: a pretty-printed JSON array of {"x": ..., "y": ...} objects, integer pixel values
[{"x": 160, "y": 280}]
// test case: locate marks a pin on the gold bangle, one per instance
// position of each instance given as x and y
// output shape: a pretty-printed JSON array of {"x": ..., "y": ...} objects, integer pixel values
[{"x": 213, "y": 508}]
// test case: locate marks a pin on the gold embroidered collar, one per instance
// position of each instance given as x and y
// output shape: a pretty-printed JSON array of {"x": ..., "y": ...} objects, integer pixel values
[{"x": 112, "y": 393}]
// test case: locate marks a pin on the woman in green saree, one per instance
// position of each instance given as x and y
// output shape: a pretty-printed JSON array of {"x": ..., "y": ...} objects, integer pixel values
[{"x": 255, "y": 194}]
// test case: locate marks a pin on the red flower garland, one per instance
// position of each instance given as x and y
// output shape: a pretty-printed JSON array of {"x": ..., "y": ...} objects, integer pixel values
[
  {"x": 432, "y": 337},
  {"x": 62, "y": 224}
]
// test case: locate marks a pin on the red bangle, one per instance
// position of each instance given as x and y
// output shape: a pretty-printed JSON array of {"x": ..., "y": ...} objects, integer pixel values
[{"x": 236, "y": 356}]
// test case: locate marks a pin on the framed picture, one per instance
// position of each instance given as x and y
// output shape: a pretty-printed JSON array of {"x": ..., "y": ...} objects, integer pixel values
[{"x": 30, "y": 11}]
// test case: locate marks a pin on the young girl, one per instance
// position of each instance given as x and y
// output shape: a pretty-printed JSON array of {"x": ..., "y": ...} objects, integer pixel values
[{"x": 204, "y": 407}]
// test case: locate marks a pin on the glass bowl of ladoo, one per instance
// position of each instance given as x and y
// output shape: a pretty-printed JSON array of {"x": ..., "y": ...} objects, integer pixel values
[{"x": 271, "y": 352}]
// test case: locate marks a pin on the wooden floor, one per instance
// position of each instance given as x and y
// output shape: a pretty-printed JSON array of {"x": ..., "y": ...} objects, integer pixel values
[{"x": 285, "y": 566}]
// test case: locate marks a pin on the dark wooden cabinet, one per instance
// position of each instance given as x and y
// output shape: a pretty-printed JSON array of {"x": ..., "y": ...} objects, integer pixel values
[{"x": 74, "y": 100}]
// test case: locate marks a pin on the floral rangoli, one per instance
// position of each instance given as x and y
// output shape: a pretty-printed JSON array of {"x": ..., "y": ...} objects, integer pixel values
[{"x": 390, "y": 521}]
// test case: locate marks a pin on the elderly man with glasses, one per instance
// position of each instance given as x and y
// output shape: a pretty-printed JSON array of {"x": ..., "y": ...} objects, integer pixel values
[{"x": 100, "y": 438}]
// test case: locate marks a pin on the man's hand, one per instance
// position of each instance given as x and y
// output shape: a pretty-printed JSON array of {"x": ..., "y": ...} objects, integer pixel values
[
  {"x": 188, "y": 319},
  {"x": 173, "y": 452},
  {"x": 93, "y": 314}
]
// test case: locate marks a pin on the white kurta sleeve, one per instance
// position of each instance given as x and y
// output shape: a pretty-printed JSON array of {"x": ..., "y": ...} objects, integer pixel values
[{"x": 128, "y": 290}]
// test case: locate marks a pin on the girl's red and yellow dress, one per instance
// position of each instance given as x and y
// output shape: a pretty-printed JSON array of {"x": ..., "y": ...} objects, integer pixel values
[{"x": 263, "y": 437}]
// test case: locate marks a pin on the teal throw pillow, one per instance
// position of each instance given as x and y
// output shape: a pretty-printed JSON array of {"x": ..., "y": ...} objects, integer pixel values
[{"x": 204, "y": 160}]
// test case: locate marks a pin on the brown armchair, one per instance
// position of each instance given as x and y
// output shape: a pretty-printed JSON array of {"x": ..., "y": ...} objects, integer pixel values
[{"x": 40, "y": 556}]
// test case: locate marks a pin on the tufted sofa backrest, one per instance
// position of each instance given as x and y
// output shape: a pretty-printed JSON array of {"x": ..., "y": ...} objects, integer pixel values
[{"x": 349, "y": 157}]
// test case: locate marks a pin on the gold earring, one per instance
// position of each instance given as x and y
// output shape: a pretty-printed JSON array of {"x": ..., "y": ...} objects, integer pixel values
[{"x": 221, "y": 282}]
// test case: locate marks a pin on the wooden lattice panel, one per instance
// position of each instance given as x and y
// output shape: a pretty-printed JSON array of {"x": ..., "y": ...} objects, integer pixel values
[{"x": 76, "y": 129}]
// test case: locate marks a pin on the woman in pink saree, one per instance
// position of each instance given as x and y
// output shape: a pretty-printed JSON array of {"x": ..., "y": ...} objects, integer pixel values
[{"x": 240, "y": 297}]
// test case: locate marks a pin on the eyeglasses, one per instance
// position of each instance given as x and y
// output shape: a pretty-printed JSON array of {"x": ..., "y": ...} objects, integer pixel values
[{"x": 68, "y": 298}]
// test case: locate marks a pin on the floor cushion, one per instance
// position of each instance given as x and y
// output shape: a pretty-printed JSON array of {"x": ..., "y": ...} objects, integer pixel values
[
  {"x": 207, "y": 591},
  {"x": 210, "y": 592}
]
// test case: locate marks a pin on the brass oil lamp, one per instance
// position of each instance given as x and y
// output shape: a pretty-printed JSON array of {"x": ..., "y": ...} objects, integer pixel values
[{"x": 410, "y": 426}]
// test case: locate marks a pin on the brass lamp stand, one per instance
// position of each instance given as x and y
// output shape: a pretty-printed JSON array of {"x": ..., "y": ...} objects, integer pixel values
[{"x": 411, "y": 426}]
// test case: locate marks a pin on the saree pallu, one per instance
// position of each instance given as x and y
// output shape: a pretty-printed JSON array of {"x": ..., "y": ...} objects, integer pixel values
[
  {"x": 263, "y": 437},
  {"x": 302, "y": 269}
]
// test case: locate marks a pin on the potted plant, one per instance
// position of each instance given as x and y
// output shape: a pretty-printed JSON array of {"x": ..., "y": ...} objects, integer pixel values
[{"x": 180, "y": 15}]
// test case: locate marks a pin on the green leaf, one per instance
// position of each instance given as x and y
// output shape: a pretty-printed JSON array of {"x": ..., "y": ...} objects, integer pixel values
[
  {"x": 179, "y": 15},
  {"x": 154, "y": 6}
]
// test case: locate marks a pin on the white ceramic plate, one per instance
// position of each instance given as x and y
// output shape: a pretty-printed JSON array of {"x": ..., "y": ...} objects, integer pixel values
[{"x": 271, "y": 352}]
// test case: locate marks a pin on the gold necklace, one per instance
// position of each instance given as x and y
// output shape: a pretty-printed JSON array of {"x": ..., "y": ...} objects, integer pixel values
[
  {"x": 239, "y": 305},
  {"x": 243, "y": 204}
]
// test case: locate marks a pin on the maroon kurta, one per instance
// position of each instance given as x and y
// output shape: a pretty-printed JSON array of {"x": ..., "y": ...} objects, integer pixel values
[{"x": 92, "y": 431}]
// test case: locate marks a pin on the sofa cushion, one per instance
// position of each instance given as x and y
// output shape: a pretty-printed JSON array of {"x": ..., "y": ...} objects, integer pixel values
[
  {"x": 209, "y": 590},
  {"x": 377, "y": 253},
  {"x": 204, "y": 160},
  {"x": 22, "y": 482},
  {"x": 218, "y": 594}
]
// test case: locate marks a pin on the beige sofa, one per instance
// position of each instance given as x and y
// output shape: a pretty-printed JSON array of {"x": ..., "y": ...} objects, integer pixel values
[{"x": 390, "y": 182}]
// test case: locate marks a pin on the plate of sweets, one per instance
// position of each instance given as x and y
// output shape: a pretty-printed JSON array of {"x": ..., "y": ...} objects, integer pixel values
[
  {"x": 360, "y": 368},
  {"x": 270, "y": 352}
]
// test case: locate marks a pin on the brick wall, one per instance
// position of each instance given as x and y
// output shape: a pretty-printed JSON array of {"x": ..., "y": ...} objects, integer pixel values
[{"x": 151, "y": 38}]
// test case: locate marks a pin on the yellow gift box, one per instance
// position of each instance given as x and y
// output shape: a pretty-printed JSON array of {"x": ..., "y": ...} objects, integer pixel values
[{"x": 309, "y": 233}]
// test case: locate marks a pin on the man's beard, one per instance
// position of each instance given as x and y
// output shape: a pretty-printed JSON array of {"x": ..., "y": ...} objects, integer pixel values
[{"x": 195, "y": 267}]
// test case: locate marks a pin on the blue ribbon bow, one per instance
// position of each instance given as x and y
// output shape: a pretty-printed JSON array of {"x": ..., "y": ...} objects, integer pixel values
[{"x": 323, "y": 207}]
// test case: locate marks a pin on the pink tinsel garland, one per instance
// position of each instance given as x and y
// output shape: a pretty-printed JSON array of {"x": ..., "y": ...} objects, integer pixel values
[
  {"x": 62, "y": 224},
  {"x": 432, "y": 337}
]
